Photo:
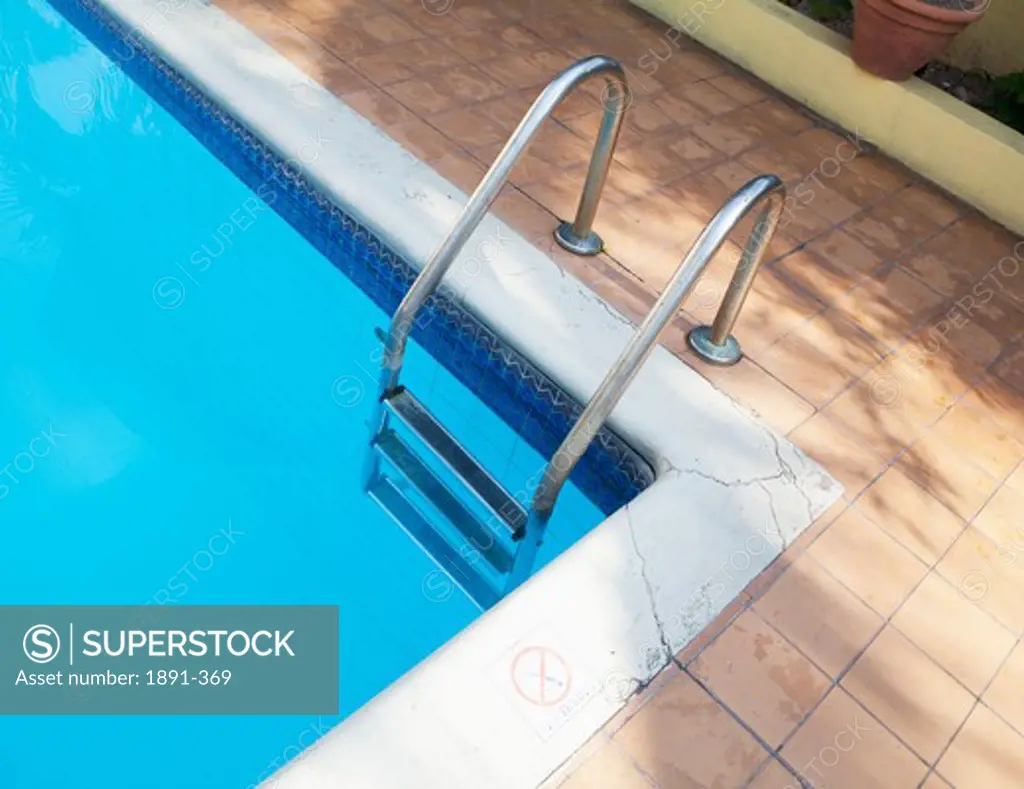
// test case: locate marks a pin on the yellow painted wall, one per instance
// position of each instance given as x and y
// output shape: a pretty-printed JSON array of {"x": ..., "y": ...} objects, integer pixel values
[{"x": 994, "y": 43}]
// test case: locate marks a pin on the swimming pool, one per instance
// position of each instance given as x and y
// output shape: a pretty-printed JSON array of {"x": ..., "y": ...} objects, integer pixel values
[{"x": 185, "y": 385}]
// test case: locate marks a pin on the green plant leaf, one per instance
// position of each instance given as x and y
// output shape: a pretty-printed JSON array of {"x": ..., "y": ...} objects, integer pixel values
[
  {"x": 828, "y": 10},
  {"x": 1008, "y": 99}
]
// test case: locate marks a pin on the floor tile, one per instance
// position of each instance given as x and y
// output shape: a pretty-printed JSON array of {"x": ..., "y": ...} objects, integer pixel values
[
  {"x": 760, "y": 677},
  {"x": 883, "y": 410},
  {"x": 972, "y": 343},
  {"x": 934, "y": 263},
  {"x": 481, "y": 45},
  {"x": 784, "y": 158},
  {"x": 889, "y": 303},
  {"x": 527, "y": 69},
  {"x": 948, "y": 474},
  {"x": 989, "y": 576},
  {"x": 935, "y": 782},
  {"x": 869, "y": 177},
  {"x": 405, "y": 61},
  {"x": 768, "y": 399},
  {"x": 1004, "y": 695},
  {"x": 852, "y": 463},
  {"x": 680, "y": 111},
  {"x": 464, "y": 172},
  {"x": 325, "y": 10},
  {"x": 1010, "y": 368},
  {"x": 608, "y": 768},
  {"x": 707, "y": 97},
  {"x": 1016, "y": 479},
  {"x": 818, "y": 615},
  {"x": 684, "y": 739},
  {"x": 379, "y": 107},
  {"x": 736, "y": 131},
  {"x": 941, "y": 622},
  {"x": 339, "y": 78},
  {"x": 477, "y": 16},
  {"x": 421, "y": 140},
  {"x": 349, "y": 37},
  {"x": 866, "y": 560},
  {"x": 821, "y": 357},
  {"x": 986, "y": 754},
  {"x": 445, "y": 90},
  {"x": 1002, "y": 519},
  {"x": 909, "y": 693},
  {"x": 693, "y": 67},
  {"x": 931, "y": 203},
  {"x": 668, "y": 156},
  {"x": 790, "y": 117},
  {"x": 775, "y": 776},
  {"x": 743, "y": 88},
  {"x": 919, "y": 383},
  {"x": 1001, "y": 403},
  {"x": 890, "y": 229},
  {"x": 842, "y": 747},
  {"x": 817, "y": 274},
  {"x": 911, "y": 515}
]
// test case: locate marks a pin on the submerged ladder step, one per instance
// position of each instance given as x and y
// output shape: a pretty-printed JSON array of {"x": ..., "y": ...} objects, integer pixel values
[
  {"x": 393, "y": 449},
  {"x": 458, "y": 567},
  {"x": 508, "y": 512}
]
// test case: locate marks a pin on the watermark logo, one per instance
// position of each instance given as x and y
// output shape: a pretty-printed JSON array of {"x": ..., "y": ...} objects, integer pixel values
[
  {"x": 437, "y": 586},
  {"x": 79, "y": 97},
  {"x": 41, "y": 643},
  {"x": 347, "y": 391},
  {"x": 168, "y": 293},
  {"x": 618, "y": 686},
  {"x": 885, "y": 391},
  {"x": 437, "y": 7},
  {"x": 973, "y": 586}
]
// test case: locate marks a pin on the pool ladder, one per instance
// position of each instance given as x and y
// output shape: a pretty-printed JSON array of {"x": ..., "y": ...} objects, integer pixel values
[{"x": 487, "y": 542}]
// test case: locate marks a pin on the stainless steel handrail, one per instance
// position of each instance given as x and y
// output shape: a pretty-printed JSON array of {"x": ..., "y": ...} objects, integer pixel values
[
  {"x": 579, "y": 233},
  {"x": 764, "y": 187}
]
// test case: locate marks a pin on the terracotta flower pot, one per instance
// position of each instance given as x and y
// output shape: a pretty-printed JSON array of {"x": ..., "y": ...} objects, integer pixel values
[{"x": 894, "y": 38}]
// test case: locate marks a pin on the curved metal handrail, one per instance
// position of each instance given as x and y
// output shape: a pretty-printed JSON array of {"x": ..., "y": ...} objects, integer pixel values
[
  {"x": 579, "y": 232},
  {"x": 608, "y": 394}
]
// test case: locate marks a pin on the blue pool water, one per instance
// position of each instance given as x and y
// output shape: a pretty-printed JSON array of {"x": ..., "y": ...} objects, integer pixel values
[{"x": 184, "y": 386}]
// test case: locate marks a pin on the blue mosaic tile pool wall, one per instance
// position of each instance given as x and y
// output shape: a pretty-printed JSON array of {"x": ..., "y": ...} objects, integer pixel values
[{"x": 610, "y": 473}]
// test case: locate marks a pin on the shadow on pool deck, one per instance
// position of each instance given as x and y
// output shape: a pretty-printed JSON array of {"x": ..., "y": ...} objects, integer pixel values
[{"x": 883, "y": 337}]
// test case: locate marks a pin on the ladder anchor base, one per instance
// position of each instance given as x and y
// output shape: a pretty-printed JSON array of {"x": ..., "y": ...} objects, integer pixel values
[
  {"x": 588, "y": 245},
  {"x": 728, "y": 353}
]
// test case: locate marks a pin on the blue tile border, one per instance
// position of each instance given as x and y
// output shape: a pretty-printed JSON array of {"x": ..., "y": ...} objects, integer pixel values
[{"x": 610, "y": 473}]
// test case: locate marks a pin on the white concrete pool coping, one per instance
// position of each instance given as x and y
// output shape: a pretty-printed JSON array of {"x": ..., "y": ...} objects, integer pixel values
[{"x": 485, "y": 709}]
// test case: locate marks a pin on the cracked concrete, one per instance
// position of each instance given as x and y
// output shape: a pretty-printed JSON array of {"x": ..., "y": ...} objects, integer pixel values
[{"x": 650, "y": 592}]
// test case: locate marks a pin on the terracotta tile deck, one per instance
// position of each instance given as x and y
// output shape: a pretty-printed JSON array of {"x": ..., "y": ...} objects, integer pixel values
[{"x": 885, "y": 336}]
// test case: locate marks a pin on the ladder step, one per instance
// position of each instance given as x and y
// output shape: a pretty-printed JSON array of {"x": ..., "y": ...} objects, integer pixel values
[
  {"x": 509, "y": 512},
  {"x": 391, "y": 447},
  {"x": 458, "y": 568}
]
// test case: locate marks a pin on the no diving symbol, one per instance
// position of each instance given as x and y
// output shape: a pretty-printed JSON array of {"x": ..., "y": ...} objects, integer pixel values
[{"x": 541, "y": 676}]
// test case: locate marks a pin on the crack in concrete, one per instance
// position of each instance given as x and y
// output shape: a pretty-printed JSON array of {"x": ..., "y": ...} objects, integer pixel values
[
  {"x": 786, "y": 471},
  {"x": 736, "y": 483},
  {"x": 662, "y": 635},
  {"x": 774, "y": 515},
  {"x": 790, "y": 475},
  {"x": 619, "y": 317}
]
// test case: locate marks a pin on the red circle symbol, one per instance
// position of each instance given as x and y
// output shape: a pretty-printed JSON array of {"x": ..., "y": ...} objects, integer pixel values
[{"x": 541, "y": 676}]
